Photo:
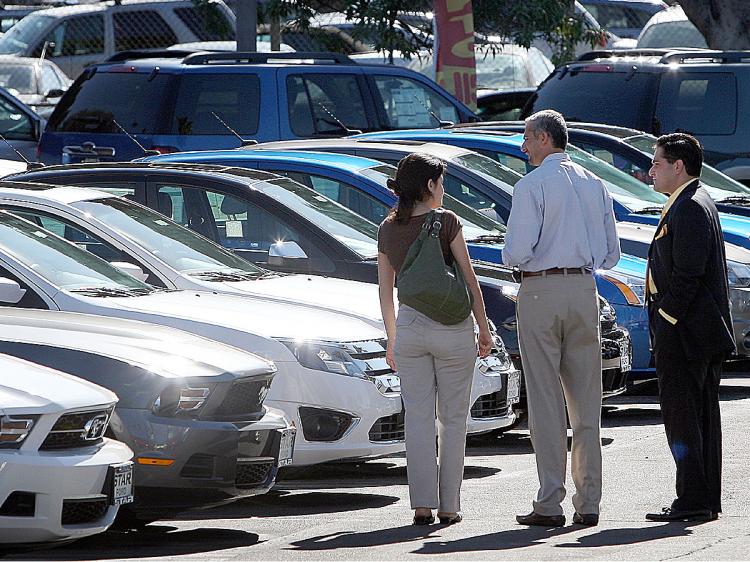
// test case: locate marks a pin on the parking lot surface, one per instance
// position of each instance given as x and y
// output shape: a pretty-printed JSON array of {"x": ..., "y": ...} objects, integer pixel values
[{"x": 361, "y": 511}]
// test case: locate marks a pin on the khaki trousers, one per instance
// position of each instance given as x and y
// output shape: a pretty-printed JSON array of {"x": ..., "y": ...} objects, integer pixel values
[
  {"x": 558, "y": 332},
  {"x": 436, "y": 364}
]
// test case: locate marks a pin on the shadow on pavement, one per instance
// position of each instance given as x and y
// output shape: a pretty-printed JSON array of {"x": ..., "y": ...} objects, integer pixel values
[
  {"x": 153, "y": 540},
  {"x": 631, "y": 416},
  {"x": 350, "y": 539},
  {"x": 622, "y": 537},
  {"x": 502, "y": 540},
  {"x": 279, "y": 503}
]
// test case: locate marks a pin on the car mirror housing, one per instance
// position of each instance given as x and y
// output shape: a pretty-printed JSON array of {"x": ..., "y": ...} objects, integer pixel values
[
  {"x": 10, "y": 291},
  {"x": 281, "y": 252},
  {"x": 131, "y": 269},
  {"x": 54, "y": 93}
]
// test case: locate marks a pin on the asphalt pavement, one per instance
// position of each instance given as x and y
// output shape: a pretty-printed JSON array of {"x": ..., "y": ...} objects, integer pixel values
[{"x": 361, "y": 511}]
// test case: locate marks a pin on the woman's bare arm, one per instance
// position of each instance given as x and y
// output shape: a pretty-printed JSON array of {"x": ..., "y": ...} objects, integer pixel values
[{"x": 386, "y": 281}]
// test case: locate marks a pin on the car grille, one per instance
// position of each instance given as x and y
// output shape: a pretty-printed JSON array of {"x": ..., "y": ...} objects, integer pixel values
[
  {"x": 75, "y": 512},
  {"x": 253, "y": 473},
  {"x": 492, "y": 405},
  {"x": 198, "y": 465},
  {"x": 79, "y": 429},
  {"x": 244, "y": 398},
  {"x": 388, "y": 428}
]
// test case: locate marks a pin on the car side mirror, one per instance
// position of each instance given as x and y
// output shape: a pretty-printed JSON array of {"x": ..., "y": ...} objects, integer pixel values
[
  {"x": 10, "y": 291},
  {"x": 281, "y": 253},
  {"x": 54, "y": 93},
  {"x": 131, "y": 269}
]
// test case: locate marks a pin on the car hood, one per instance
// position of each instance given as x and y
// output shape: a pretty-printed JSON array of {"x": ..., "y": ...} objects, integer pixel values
[
  {"x": 324, "y": 292},
  {"x": 29, "y": 388},
  {"x": 248, "y": 314},
  {"x": 161, "y": 350}
]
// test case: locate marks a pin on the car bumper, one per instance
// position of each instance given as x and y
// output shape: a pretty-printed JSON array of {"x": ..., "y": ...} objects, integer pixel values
[
  {"x": 185, "y": 463},
  {"x": 67, "y": 484},
  {"x": 617, "y": 360}
]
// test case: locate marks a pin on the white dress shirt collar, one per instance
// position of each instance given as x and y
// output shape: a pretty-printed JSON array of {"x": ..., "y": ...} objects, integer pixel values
[{"x": 555, "y": 157}]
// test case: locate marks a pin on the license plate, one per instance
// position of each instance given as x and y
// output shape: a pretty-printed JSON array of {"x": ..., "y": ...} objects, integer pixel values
[
  {"x": 286, "y": 449},
  {"x": 625, "y": 355},
  {"x": 514, "y": 387},
  {"x": 122, "y": 484},
  {"x": 490, "y": 363}
]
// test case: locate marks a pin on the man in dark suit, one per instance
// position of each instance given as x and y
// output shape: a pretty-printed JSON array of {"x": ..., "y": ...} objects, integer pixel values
[{"x": 688, "y": 305}]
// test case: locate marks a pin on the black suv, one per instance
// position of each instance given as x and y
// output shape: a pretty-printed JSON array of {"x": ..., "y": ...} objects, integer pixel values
[{"x": 661, "y": 91}]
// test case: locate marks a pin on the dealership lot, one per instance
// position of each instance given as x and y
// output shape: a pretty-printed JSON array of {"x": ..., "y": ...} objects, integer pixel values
[{"x": 361, "y": 511}]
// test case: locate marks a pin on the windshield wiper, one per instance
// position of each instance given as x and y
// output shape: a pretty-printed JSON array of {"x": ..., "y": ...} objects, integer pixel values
[
  {"x": 489, "y": 238},
  {"x": 218, "y": 275},
  {"x": 109, "y": 291},
  {"x": 648, "y": 211},
  {"x": 742, "y": 200}
]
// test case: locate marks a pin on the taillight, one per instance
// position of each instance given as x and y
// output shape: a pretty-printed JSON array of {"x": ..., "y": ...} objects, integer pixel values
[
  {"x": 596, "y": 68},
  {"x": 165, "y": 149}
]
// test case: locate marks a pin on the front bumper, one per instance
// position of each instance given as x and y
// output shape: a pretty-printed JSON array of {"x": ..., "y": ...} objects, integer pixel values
[
  {"x": 184, "y": 463},
  {"x": 491, "y": 407},
  {"x": 70, "y": 484}
]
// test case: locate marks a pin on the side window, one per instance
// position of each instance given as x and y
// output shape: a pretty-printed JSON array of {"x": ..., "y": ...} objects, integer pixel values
[
  {"x": 78, "y": 35},
  {"x": 14, "y": 125},
  {"x": 29, "y": 300},
  {"x": 316, "y": 101},
  {"x": 701, "y": 103},
  {"x": 206, "y": 21},
  {"x": 410, "y": 104},
  {"x": 617, "y": 161},
  {"x": 513, "y": 162},
  {"x": 349, "y": 196},
  {"x": 141, "y": 29},
  {"x": 50, "y": 81},
  {"x": 467, "y": 194}
]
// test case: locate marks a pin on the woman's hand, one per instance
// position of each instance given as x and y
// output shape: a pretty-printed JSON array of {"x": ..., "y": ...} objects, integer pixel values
[
  {"x": 485, "y": 343},
  {"x": 389, "y": 355}
]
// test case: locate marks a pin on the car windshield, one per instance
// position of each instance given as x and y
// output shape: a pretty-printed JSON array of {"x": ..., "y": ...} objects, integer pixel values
[
  {"x": 18, "y": 77},
  {"x": 709, "y": 176},
  {"x": 21, "y": 35},
  {"x": 489, "y": 168},
  {"x": 475, "y": 224},
  {"x": 60, "y": 262},
  {"x": 358, "y": 234},
  {"x": 623, "y": 187},
  {"x": 177, "y": 246}
]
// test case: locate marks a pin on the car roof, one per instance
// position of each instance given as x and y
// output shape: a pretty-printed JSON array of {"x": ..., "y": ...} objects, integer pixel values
[
  {"x": 437, "y": 134},
  {"x": 328, "y": 159},
  {"x": 438, "y": 149},
  {"x": 63, "y": 11},
  {"x": 41, "y": 193}
]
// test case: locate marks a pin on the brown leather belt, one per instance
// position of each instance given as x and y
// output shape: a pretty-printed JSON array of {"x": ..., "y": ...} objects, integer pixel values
[{"x": 556, "y": 271}]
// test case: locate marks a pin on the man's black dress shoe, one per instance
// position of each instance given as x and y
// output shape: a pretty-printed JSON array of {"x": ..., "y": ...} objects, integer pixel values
[
  {"x": 535, "y": 518},
  {"x": 587, "y": 519},
  {"x": 671, "y": 514}
]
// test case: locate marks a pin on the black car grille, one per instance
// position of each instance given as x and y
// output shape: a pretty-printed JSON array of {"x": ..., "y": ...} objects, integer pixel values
[
  {"x": 75, "y": 430},
  {"x": 388, "y": 428},
  {"x": 253, "y": 473},
  {"x": 198, "y": 465},
  {"x": 75, "y": 512},
  {"x": 245, "y": 397},
  {"x": 492, "y": 405}
]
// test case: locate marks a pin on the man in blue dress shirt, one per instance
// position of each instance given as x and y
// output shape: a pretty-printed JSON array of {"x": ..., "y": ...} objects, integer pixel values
[{"x": 561, "y": 228}]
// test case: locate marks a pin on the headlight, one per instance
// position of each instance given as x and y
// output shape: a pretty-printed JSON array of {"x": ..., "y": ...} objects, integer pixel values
[
  {"x": 14, "y": 429},
  {"x": 632, "y": 288},
  {"x": 177, "y": 400},
  {"x": 328, "y": 357},
  {"x": 738, "y": 274}
]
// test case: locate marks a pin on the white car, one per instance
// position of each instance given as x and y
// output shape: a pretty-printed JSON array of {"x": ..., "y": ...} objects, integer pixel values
[
  {"x": 159, "y": 251},
  {"x": 61, "y": 478}
]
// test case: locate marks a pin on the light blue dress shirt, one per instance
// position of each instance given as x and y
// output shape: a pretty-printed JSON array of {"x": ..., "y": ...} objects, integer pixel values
[{"x": 561, "y": 217}]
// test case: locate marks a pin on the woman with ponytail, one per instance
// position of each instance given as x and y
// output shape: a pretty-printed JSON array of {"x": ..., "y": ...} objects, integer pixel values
[{"x": 435, "y": 361}]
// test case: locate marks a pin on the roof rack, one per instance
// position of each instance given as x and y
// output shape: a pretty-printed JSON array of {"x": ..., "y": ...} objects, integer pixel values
[
  {"x": 608, "y": 54},
  {"x": 227, "y": 57},
  {"x": 722, "y": 56},
  {"x": 137, "y": 54},
  {"x": 667, "y": 56}
]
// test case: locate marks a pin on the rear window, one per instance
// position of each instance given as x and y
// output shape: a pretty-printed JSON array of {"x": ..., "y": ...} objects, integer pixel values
[
  {"x": 701, "y": 103},
  {"x": 599, "y": 95},
  {"x": 92, "y": 105},
  {"x": 671, "y": 34},
  {"x": 207, "y": 22}
]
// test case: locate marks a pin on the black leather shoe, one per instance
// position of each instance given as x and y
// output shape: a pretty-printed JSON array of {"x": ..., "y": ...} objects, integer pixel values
[
  {"x": 450, "y": 519},
  {"x": 587, "y": 519},
  {"x": 424, "y": 519},
  {"x": 536, "y": 519},
  {"x": 671, "y": 514}
]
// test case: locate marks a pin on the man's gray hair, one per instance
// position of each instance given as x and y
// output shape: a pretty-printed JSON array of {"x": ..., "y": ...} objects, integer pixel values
[{"x": 552, "y": 123}]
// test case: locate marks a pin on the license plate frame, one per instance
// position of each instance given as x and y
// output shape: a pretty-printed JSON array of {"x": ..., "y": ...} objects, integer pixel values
[
  {"x": 286, "y": 446},
  {"x": 121, "y": 483},
  {"x": 513, "y": 395},
  {"x": 625, "y": 361}
]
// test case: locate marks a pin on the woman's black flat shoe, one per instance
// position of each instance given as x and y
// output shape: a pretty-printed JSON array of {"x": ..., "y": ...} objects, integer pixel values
[
  {"x": 424, "y": 519},
  {"x": 450, "y": 519}
]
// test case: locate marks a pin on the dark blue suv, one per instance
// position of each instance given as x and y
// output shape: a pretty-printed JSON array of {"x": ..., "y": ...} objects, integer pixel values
[{"x": 173, "y": 101}]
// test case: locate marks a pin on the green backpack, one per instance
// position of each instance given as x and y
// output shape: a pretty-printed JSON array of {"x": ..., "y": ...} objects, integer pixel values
[{"x": 426, "y": 284}]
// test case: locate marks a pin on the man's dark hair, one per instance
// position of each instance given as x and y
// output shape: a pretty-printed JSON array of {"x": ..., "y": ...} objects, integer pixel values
[{"x": 681, "y": 146}]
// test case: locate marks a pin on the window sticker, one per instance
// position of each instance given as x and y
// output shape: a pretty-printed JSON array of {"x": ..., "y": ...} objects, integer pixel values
[
  {"x": 410, "y": 105},
  {"x": 234, "y": 229}
]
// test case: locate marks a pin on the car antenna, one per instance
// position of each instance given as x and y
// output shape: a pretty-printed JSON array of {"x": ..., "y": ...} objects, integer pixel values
[
  {"x": 440, "y": 122},
  {"x": 146, "y": 152},
  {"x": 340, "y": 124},
  {"x": 243, "y": 142},
  {"x": 29, "y": 165}
]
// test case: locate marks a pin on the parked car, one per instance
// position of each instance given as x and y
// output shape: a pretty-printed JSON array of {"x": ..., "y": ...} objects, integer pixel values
[
  {"x": 624, "y": 18},
  {"x": 62, "y": 479},
  {"x": 20, "y": 126},
  {"x": 668, "y": 29},
  {"x": 75, "y": 37},
  {"x": 326, "y": 382},
  {"x": 190, "y": 408},
  {"x": 38, "y": 84},
  {"x": 660, "y": 92},
  {"x": 502, "y": 105},
  {"x": 171, "y": 102}
]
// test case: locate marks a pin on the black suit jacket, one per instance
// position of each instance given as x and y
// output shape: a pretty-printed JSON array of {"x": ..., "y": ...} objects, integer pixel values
[{"x": 688, "y": 266}]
